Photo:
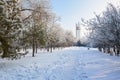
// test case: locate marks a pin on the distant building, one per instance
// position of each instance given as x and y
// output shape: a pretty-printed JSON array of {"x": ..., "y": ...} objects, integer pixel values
[{"x": 77, "y": 32}]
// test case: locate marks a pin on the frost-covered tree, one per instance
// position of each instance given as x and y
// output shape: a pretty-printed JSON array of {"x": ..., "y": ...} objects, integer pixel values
[
  {"x": 10, "y": 24},
  {"x": 69, "y": 38},
  {"x": 55, "y": 36},
  {"x": 38, "y": 19},
  {"x": 106, "y": 30}
]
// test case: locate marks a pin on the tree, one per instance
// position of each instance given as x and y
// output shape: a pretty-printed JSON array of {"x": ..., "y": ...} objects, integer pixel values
[
  {"x": 69, "y": 38},
  {"x": 10, "y": 24},
  {"x": 106, "y": 30},
  {"x": 38, "y": 21}
]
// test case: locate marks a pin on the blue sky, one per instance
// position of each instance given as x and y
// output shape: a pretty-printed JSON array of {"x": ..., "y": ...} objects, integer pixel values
[{"x": 71, "y": 11}]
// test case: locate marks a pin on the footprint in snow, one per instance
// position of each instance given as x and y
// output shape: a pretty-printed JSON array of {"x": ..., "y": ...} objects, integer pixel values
[
  {"x": 85, "y": 76},
  {"x": 53, "y": 77}
]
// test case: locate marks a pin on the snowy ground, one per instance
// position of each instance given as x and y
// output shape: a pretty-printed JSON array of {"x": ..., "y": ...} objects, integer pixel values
[{"x": 69, "y": 64}]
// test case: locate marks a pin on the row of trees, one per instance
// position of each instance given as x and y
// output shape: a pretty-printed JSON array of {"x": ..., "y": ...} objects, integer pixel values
[
  {"x": 27, "y": 23},
  {"x": 105, "y": 30}
]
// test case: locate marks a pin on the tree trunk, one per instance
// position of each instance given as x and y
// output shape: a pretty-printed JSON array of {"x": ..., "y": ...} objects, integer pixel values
[
  {"x": 51, "y": 48},
  {"x": 5, "y": 46},
  {"x": 114, "y": 50},
  {"x": 36, "y": 46},
  {"x": 118, "y": 51},
  {"x": 25, "y": 48},
  {"x": 108, "y": 50},
  {"x": 33, "y": 54},
  {"x": 5, "y": 52},
  {"x": 48, "y": 47},
  {"x": 100, "y": 49}
]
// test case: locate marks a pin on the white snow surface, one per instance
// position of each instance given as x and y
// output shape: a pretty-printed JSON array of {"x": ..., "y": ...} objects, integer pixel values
[{"x": 74, "y": 63}]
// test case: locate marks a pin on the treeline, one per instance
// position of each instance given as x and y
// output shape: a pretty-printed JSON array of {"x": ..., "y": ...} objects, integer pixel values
[
  {"x": 105, "y": 30},
  {"x": 30, "y": 24}
]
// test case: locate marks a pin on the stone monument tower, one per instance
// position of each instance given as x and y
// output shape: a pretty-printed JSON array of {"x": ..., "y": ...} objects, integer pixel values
[{"x": 77, "y": 31}]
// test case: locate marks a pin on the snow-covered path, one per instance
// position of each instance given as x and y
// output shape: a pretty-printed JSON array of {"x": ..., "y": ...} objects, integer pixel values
[{"x": 69, "y": 64}]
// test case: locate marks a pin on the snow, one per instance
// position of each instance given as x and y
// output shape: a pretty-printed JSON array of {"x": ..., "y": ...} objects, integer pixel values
[{"x": 74, "y": 63}]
